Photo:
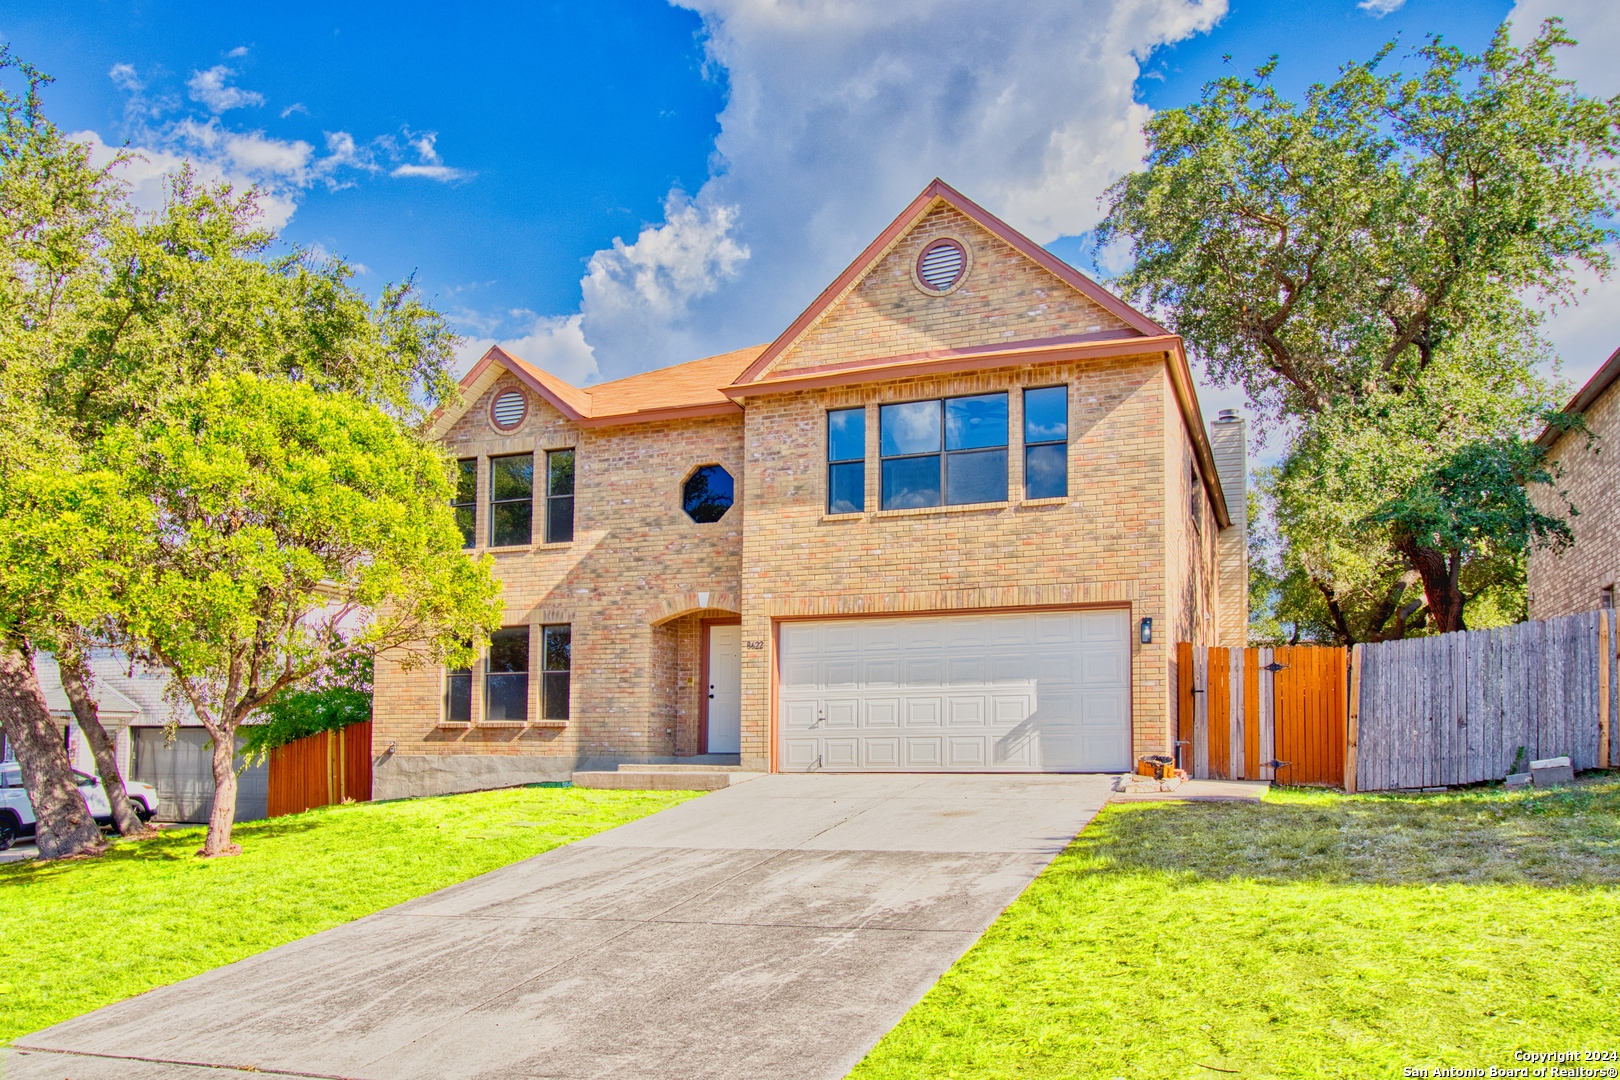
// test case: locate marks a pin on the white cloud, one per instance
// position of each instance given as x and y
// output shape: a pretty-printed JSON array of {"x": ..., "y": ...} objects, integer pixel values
[
  {"x": 240, "y": 50},
  {"x": 1379, "y": 8},
  {"x": 283, "y": 170},
  {"x": 1585, "y": 333},
  {"x": 553, "y": 343},
  {"x": 839, "y": 113},
  {"x": 209, "y": 87}
]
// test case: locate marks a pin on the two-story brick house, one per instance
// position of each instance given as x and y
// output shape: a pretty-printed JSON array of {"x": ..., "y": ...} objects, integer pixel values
[
  {"x": 1583, "y": 577},
  {"x": 954, "y": 517}
]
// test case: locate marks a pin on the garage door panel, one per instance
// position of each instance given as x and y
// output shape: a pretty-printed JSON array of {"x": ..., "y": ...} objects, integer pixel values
[
  {"x": 923, "y": 673},
  {"x": 1020, "y": 692},
  {"x": 840, "y": 753},
  {"x": 924, "y": 711},
  {"x": 964, "y": 711},
  {"x": 966, "y": 753},
  {"x": 883, "y": 713},
  {"x": 880, "y": 753},
  {"x": 881, "y": 673}
]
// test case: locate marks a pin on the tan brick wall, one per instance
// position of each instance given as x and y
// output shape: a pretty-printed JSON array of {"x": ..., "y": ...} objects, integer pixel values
[
  {"x": 1106, "y": 544},
  {"x": 636, "y": 560},
  {"x": 1005, "y": 298},
  {"x": 1562, "y": 584}
]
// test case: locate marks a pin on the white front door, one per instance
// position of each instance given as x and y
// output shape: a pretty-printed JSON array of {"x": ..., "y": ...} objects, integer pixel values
[
  {"x": 1019, "y": 692},
  {"x": 725, "y": 689}
]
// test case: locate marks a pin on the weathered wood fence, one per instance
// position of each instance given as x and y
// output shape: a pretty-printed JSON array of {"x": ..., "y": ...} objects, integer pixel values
[
  {"x": 320, "y": 770},
  {"x": 1461, "y": 708},
  {"x": 1427, "y": 712},
  {"x": 1242, "y": 709}
]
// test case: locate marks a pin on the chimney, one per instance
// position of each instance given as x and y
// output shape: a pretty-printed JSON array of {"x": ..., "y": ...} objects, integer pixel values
[{"x": 1228, "y": 439}]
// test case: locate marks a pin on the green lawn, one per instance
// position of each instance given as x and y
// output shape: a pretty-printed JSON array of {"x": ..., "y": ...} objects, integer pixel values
[
  {"x": 77, "y": 935},
  {"x": 1312, "y": 935}
]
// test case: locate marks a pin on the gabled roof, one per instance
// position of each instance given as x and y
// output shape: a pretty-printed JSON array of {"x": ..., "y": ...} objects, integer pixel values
[
  {"x": 685, "y": 390},
  {"x": 713, "y": 385},
  {"x": 934, "y": 195},
  {"x": 1600, "y": 381}
]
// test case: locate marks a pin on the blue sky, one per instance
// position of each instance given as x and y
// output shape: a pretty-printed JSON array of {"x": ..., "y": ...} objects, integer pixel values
[{"x": 615, "y": 186}]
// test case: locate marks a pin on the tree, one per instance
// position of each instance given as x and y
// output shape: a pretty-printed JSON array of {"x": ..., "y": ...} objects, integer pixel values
[
  {"x": 1333, "y": 257},
  {"x": 293, "y": 529},
  {"x": 55, "y": 211}
]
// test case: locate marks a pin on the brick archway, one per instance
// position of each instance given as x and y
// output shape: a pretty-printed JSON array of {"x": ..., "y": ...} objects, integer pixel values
[{"x": 677, "y": 604}]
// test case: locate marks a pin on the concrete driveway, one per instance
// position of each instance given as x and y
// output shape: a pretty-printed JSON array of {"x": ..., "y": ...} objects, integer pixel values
[{"x": 774, "y": 929}]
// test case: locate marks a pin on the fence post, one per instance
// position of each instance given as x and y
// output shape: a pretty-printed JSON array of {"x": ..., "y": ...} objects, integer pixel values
[
  {"x": 1603, "y": 689},
  {"x": 1352, "y": 721}
]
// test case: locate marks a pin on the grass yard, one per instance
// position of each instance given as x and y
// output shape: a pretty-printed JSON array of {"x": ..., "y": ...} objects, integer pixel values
[
  {"x": 77, "y": 935},
  {"x": 1312, "y": 935}
]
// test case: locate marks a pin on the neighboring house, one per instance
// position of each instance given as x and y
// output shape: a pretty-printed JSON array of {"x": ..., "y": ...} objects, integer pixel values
[
  {"x": 131, "y": 706},
  {"x": 924, "y": 529},
  {"x": 1583, "y": 578}
]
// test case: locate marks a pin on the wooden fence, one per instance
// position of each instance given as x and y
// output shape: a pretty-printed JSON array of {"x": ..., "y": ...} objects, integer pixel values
[
  {"x": 1461, "y": 708},
  {"x": 1242, "y": 709},
  {"x": 321, "y": 769},
  {"x": 1427, "y": 712}
]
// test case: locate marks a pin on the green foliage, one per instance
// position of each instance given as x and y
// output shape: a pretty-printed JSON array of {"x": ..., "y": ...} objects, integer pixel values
[
  {"x": 284, "y": 514},
  {"x": 1360, "y": 264},
  {"x": 1310, "y": 935},
  {"x": 148, "y": 913},
  {"x": 335, "y": 698}
]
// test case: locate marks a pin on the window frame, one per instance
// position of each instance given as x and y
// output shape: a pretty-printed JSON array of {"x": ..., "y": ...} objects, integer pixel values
[
  {"x": 490, "y": 674},
  {"x": 469, "y": 532},
  {"x": 551, "y": 677},
  {"x": 494, "y": 502},
  {"x": 945, "y": 454},
  {"x": 554, "y": 499},
  {"x": 452, "y": 678},
  {"x": 833, "y": 464},
  {"x": 1039, "y": 443}
]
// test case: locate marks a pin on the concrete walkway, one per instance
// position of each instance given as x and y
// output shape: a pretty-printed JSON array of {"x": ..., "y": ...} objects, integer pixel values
[{"x": 774, "y": 929}]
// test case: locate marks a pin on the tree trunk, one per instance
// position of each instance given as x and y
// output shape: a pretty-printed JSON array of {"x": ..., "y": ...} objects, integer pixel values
[
  {"x": 223, "y": 816},
  {"x": 63, "y": 825},
  {"x": 1439, "y": 582},
  {"x": 76, "y": 684}
]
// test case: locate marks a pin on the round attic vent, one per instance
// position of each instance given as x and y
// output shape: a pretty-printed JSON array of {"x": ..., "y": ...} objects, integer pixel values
[
  {"x": 509, "y": 409},
  {"x": 941, "y": 265}
]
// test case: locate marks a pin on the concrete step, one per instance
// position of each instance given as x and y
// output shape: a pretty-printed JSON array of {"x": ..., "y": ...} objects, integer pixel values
[
  {"x": 643, "y": 779},
  {"x": 683, "y": 767}
]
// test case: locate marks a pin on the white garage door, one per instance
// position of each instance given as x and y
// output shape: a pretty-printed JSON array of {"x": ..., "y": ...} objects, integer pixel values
[{"x": 1046, "y": 692}]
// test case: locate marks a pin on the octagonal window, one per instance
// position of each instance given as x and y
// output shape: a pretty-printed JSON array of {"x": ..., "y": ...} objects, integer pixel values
[{"x": 708, "y": 494}]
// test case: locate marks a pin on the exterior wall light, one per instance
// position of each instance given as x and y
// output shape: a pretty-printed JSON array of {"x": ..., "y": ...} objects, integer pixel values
[{"x": 1147, "y": 631}]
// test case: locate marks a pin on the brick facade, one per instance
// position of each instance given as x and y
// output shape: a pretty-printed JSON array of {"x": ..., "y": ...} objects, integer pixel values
[
  {"x": 1576, "y": 580},
  {"x": 1138, "y": 530}
]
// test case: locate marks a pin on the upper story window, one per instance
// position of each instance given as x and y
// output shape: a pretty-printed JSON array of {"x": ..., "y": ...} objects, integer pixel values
[
  {"x": 511, "y": 500},
  {"x": 465, "y": 500},
  {"x": 506, "y": 678},
  {"x": 559, "y": 496},
  {"x": 1195, "y": 502},
  {"x": 952, "y": 451},
  {"x": 846, "y": 461},
  {"x": 707, "y": 494},
  {"x": 1046, "y": 443}
]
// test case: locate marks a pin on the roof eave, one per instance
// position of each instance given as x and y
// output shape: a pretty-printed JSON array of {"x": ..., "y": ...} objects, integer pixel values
[{"x": 1595, "y": 387}]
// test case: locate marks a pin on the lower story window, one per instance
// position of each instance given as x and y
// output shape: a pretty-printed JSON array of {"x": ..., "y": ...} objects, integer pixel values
[
  {"x": 556, "y": 663},
  {"x": 506, "y": 682},
  {"x": 458, "y": 695}
]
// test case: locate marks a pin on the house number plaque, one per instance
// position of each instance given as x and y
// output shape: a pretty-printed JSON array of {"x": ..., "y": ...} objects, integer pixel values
[{"x": 757, "y": 643}]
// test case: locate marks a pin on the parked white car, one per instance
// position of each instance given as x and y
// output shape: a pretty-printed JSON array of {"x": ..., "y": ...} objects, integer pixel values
[{"x": 17, "y": 813}]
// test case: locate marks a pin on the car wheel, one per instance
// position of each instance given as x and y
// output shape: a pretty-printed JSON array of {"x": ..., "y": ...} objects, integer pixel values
[
  {"x": 8, "y": 832},
  {"x": 141, "y": 812}
]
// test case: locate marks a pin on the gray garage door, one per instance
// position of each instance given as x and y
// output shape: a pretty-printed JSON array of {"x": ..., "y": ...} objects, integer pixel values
[
  {"x": 183, "y": 773},
  {"x": 1018, "y": 692}
]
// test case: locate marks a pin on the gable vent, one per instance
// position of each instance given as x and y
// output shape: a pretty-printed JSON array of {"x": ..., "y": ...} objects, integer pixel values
[
  {"x": 941, "y": 265},
  {"x": 509, "y": 409}
]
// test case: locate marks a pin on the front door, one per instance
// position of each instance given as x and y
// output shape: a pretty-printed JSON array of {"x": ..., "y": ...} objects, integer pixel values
[{"x": 725, "y": 689}]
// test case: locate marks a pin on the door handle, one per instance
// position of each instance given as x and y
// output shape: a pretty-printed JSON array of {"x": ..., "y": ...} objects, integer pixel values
[{"x": 711, "y": 697}]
